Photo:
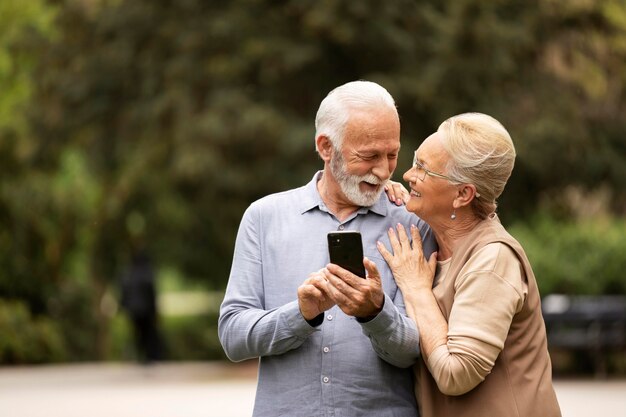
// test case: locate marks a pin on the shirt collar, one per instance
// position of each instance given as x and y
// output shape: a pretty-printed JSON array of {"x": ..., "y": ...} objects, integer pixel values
[{"x": 312, "y": 199}]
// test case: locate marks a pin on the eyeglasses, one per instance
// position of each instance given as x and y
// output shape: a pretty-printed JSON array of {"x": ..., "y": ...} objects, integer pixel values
[{"x": 422, "y": 171}]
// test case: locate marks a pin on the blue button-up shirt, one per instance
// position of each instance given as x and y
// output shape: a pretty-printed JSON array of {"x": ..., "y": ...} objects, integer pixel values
[{"x": 341, "y": 368}]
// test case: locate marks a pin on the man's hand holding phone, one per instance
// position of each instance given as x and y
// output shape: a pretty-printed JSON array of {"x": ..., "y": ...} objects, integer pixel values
[
  {"x": 313, "y": 298},
  {"x": 350, "y": 281},
  {"x": 358, "y": 297}
]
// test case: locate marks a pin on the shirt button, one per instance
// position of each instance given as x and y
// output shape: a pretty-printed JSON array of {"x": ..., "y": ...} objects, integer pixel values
[
  {"x": 341, "y": 227},
  {"x": 329, "y": 317},
  {"x": 326, "y": 379},
  {"x": 326, "y": 349}
]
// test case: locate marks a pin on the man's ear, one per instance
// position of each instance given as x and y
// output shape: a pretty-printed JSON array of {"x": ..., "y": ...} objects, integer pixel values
[
  {"x": 324, "y": 147},
  {"x": 465, "y": 195}
]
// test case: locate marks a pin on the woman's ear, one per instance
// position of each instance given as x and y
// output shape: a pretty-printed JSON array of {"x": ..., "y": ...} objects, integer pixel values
[
  {"x": 465, "y": 195},
  {"x": 324, "y": 147}
]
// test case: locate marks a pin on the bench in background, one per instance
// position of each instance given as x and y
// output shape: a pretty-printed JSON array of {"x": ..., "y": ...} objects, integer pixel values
[{"x": 595, "y": 325}]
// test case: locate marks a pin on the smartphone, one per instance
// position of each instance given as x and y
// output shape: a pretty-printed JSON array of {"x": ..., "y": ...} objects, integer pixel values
[{"x": 346, "y": 250}]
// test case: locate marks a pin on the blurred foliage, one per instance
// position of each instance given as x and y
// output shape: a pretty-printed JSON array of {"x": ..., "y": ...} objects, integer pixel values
[
  {"x": 25, "y": 339},
  {"x": 192, "y": 338},
  {"x": 154, "y": 123},
  {"x": 19, "y": 22},
  {"x": 187, "y": 337},
  {"x": 584, "y": 257}
]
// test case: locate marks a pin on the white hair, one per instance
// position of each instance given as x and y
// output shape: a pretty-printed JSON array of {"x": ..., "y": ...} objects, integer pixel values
[
  {"x": 334, "y": 111},
  {"x": 481, "y": 153}
]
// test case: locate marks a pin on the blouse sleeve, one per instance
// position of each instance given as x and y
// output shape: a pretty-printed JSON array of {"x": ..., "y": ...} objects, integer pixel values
[{"x": 490, "y": 290}]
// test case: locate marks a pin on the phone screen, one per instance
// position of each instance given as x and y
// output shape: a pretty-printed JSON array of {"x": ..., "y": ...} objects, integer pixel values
[{"x": 346, "y": 250}]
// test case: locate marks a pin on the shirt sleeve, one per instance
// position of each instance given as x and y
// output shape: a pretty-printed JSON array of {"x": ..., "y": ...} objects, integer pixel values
[
  {"x": 393, "y": 335},
  {"x": 490, "y": 290},
  {"x": 246, "y": 330}
]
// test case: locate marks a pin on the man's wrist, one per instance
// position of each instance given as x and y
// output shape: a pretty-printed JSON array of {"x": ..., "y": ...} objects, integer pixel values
[
  {"x": 316, "y": 321},
  {"x": 366, "y": 319},
  {"x": 372, "y": 316}
]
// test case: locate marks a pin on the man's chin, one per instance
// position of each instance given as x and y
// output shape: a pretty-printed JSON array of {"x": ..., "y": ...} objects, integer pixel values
[
  {"x": 367, "y": 199},
  {"x": 368, "y": 189}
]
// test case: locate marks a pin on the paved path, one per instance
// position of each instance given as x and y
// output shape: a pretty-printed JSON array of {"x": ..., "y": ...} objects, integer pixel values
[{"x": 200, "y": 389}]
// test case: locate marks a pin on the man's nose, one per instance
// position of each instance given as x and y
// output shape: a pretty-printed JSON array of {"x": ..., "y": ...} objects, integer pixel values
[{"x": 383, "y": 169}]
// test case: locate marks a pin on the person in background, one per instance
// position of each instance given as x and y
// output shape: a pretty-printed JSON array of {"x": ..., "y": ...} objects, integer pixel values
[
  {"x": 475, "y": 301},
  {"x": 139, "y": 301},
  {"x": 347, "y": 353}
]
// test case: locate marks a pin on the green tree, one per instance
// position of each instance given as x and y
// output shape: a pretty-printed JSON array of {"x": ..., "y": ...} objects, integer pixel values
[{"x": 155, "y": 123}]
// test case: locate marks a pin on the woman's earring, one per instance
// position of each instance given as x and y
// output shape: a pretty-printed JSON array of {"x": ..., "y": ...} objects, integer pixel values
[{"x": 453, "y": 216}]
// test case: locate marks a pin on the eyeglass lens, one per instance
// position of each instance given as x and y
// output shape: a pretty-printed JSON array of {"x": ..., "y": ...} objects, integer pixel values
[{"x": 419, "y": 169}]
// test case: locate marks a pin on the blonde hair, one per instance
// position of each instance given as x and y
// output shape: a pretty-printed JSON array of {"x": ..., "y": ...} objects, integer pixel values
[{"x": 481, "y": 153}]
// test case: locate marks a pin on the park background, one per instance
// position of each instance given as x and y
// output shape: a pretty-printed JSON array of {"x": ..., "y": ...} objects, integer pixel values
[{"x": 153, "y": 124}]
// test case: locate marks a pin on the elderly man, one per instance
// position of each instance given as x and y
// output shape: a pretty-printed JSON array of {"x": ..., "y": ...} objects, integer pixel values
[{"x": 327, "y": 350}]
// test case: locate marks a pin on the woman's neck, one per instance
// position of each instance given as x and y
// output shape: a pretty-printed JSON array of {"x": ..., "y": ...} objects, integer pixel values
[{"x": 451, "y": 232}]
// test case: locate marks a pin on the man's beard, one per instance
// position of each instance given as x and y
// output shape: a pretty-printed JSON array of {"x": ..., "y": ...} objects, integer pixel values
[{"x": 349, "y": 184}]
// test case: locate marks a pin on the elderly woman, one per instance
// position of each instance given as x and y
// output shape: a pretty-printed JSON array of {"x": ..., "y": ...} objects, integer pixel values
[{"x": 475, "y": 301}]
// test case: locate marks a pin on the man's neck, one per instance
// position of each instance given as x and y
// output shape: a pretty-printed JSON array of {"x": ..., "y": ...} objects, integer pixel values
[{"x": 333, "y": 197}]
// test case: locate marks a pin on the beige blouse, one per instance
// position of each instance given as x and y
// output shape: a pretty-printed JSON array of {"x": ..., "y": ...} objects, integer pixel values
[
  {"x": 489, "y": 291},
  {"x": 495, "y": 362}
]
